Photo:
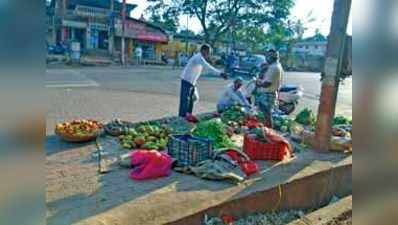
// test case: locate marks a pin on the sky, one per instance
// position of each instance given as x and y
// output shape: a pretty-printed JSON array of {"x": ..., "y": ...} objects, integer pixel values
[{"x": 320, "y": 10}]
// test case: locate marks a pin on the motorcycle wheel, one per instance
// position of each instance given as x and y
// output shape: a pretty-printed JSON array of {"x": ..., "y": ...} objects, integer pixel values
[{"x": 287, "y": 108}]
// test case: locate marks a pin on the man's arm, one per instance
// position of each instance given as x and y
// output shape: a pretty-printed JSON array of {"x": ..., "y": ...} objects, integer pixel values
[
  {"x": 237, "y": 96},
  {"x": 267, "y": 80},
  {"x": 209, "y": 67},
  {"x": 263, "y": 84}
]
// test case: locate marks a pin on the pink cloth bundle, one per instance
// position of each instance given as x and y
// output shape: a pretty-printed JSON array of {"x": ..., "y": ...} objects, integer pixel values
[{"x": 149, "y": 164}]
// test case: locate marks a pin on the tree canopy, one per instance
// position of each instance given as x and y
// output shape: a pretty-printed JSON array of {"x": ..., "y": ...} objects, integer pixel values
[
  {"x": 163, "y": 16},
  {"x": 220, "y": 17}
]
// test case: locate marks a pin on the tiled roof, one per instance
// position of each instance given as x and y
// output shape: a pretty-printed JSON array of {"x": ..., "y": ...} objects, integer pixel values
[{"x": 105, "y": 4}]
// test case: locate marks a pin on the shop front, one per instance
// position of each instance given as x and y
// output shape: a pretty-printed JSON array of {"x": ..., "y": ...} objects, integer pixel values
[{"x": 140, "y": 34}]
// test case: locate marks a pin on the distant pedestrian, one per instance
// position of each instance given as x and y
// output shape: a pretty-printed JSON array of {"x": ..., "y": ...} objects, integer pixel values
[
  {"x": 230, "y": 62},
  {"x": 138, "y": 54},
  {"x": 164, "y": 58},
  {"x": 177, "y": 60},
  {"x": 190, "y": 76}
]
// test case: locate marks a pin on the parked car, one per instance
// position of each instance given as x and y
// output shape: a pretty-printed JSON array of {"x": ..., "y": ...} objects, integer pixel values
[
  {"x": 57, "y": 49},
  {"x": 250, "y": 65}
]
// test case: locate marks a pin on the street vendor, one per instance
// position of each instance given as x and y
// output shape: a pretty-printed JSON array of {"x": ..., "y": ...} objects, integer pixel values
[
  {"x": 190, "y": 76},
  {"x": 233, "y": 95},
  {"x": 268, "y": 85},
  {"x": 251, "y": 87}
]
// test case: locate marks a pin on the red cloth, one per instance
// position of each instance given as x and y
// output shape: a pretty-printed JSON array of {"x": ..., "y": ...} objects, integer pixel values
[
  {"x": 252, "y": 122},
  {"x": 191, "y": 118},
  {"x": 247, "y": 166},
  {"x": 273, "y": 137},
  {"x": 149, "y": 164}
]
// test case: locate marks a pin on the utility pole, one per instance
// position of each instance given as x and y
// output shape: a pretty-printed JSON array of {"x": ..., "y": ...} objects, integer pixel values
[
  {"x": 111, "y": 28},
  {"x": 332, "y": 70},
  {"x": 60, "y": 10},
  {"x": 123, "y": 50},
  {"x": 186, "y": 36}
]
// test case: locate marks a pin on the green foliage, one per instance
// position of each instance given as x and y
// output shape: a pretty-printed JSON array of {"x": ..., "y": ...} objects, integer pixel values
[
  {"x": 221, "y": 17},
  {"x": 167, "y": 18}
]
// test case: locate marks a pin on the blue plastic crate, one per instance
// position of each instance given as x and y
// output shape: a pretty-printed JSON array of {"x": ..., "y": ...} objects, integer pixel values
[{"x": 189, "y": 150}]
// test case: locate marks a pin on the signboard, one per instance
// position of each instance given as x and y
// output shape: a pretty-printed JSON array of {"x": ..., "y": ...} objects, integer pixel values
[
  {"x": 87, "y": 11},
  {"x": 99, "y": 26},
  {"x": 140, "y": 31},
  {"x": 74, "y": 24}
]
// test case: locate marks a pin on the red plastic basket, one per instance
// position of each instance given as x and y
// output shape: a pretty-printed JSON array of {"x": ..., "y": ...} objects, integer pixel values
[{"x": 257, "y": 150}]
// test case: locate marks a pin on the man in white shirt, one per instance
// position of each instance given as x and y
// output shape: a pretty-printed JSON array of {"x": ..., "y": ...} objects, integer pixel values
[
  {"x": 138, "y": 54},
  {"x": 190, "y": 76},
  {"x": 232, "y": 96},
  {"x": 268, "y": 87}
]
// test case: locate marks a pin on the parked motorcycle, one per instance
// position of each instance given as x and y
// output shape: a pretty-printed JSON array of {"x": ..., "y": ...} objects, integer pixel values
[{"x": 288, "y": 96}]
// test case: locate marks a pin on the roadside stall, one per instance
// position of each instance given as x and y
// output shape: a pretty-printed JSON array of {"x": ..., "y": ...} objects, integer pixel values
[{"x": 210, "y": 146}]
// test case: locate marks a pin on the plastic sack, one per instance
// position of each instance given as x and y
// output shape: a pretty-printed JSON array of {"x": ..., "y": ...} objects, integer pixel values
[{"x": 149, "y": 164}]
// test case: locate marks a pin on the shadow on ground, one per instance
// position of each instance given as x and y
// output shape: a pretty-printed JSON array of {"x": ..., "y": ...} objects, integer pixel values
[{"x": 89, "y": 194}]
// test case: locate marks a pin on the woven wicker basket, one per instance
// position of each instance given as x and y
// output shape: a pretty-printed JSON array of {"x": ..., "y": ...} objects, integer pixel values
[{"x": 77, "y": 139}]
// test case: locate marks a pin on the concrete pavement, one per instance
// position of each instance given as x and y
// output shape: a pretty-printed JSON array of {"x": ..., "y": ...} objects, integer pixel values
[{"x": 149, "y": 92}]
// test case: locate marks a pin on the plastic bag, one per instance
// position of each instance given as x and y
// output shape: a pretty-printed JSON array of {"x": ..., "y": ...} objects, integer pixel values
[{"x": 149, "y": 164}]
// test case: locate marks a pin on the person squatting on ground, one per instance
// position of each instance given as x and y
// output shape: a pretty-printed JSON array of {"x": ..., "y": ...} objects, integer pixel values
[
  {"x": 190, "y": 76},
  {"x": 233, "y": 95},
  {"x": 268, "y": 85}
]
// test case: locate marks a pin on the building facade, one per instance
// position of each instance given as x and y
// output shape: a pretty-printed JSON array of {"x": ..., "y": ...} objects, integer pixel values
[
  {"x": 140, "y": 33},
  {"x": 314, "y": 48},
  {"x": 96, "y": 25}
]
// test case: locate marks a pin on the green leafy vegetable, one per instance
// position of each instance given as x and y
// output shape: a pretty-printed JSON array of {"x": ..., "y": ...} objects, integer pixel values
[
  {"x": 214, "y": 129},
  {"x": 341, "y": 120},
  {"x": 306, "y": 117},
  {"x": 233, "y": 114}
]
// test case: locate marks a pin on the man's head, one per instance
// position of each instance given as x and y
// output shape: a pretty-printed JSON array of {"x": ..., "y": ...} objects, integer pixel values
[
  {"x": 272, "y": 56},
  {"x": 238, "y": 82},
  {"x": 205, "y": 51}
]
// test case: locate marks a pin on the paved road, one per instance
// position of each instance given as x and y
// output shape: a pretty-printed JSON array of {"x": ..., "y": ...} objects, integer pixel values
[{"x": 148, "y": 92}]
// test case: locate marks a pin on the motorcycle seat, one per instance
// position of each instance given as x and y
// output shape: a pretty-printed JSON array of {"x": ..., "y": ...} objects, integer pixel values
[{"x": 288, "y": 88}]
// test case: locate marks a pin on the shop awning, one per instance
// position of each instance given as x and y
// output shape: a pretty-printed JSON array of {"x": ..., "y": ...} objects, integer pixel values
[{"x": 139, "y": 30}]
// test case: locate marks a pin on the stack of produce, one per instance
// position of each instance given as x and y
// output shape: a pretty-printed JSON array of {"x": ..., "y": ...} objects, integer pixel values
[
  {"x": 118, "y": 127},
  {"x": 341, "y": 120},
  {"x": 306, "y": 117},
  {"x": 342, "y": 127},
  {"x": 258, "y": 134},
  {"x": 78, "y": 130},
  {"x": 233, "y": 115},
  {"x": 145, "y": 137},
  {"x": 215, "y": 130},
  {"x": 180, "y": 126},
  {"x": 282, "y": 122}
]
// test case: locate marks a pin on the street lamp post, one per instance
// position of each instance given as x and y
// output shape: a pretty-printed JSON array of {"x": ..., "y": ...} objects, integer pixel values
[
  {"x": 186, "y": 36},
  {"x": 123, "y": 55}
]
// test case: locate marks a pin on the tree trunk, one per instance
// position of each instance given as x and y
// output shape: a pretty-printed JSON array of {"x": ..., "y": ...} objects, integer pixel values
[{"x": 333, "y": 68}]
